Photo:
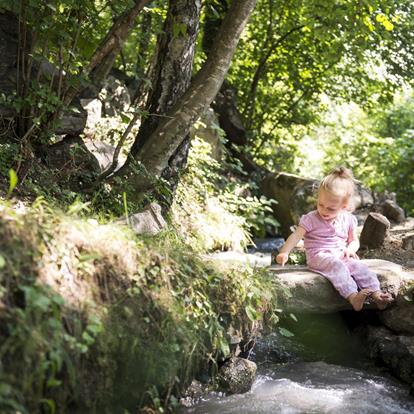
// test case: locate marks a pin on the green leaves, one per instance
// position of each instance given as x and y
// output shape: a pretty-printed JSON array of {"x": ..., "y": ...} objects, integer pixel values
[
  {"x": 13, "y": 179},
  {"x": 252, "y": 313},
  {"x": 224, "y": 347},
  {"x": 285, "y": 332},
  {"x": 293, "y": 54},
  {"x": 382, "y": 18}
]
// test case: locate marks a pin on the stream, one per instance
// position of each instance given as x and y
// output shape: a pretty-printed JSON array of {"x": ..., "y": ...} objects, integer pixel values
[{"x": 322, "y": 369}]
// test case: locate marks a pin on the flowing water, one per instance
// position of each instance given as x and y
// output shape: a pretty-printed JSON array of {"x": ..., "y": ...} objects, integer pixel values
[{"x": 323, "y": 369}]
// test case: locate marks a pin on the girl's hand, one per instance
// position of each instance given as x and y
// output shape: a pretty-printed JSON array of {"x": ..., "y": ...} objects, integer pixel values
[
  {"x": 282, "y": 258},
  {"x": 349, "y": 253}
]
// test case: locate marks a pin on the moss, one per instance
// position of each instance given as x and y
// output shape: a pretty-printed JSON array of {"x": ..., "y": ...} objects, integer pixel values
[{"x": 94, "y": 319}]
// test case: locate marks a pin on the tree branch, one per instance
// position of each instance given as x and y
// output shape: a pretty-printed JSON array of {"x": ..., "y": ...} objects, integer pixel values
[{"x": 170, "y": 133}]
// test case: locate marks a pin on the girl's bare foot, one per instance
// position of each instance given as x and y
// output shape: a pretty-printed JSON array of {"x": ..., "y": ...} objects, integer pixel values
[
  {"x": 381, "y": 299},
  {"x": 357, "y": 299}
]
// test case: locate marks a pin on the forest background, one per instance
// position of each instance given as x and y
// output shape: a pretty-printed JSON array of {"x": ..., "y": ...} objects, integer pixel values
[{"x": 296, "y": 86}]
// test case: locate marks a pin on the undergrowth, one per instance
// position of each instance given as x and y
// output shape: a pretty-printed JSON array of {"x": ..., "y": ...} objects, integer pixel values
[
  {"x": 94, "y": 319},
  {"x": 215, "y": 206}
]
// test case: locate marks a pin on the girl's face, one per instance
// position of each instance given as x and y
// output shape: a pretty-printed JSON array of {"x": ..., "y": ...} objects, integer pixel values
[{"x": 329, "y": 206}]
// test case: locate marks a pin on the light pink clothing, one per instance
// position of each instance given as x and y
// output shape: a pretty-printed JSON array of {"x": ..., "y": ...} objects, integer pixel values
[
  {"x": 325, "y": 242},
  {"x": 325, "y": 235}
]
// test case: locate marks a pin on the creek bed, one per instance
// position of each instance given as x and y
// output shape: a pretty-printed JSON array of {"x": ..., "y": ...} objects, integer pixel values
[{"x": 322, "y": 369}]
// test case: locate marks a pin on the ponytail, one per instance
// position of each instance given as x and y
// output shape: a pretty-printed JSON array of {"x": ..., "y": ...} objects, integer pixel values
[{"x": 339, "y": 182}]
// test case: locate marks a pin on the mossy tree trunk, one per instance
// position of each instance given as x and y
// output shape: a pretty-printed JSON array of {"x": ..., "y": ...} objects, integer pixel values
[
  {"x": 168, "y": 132},
  {"x": 170, "y": 77}
]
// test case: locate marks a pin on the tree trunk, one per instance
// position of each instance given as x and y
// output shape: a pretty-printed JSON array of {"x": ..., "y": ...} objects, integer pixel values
[
  {"x": 171, "y": 73},
  {"x": 225, "y": 102},
  {"x": 155, "y": 153},
  {"x": 170, "y": 78}
]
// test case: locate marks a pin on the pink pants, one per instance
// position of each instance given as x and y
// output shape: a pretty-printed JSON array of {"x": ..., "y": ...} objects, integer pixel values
[{"x": 347, "y": 275}]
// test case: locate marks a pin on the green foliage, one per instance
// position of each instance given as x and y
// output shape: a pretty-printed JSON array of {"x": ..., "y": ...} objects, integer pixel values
[
  {"x": 215, "y": 211},
  {"x": 8, "y": 157},
  {"x": 12, "y": 181},
  {"x": 379, "y": 147},
  {"x": 297, "y": 257},
  {"x": 130, "y": 324},
  {"x": 294, "y": 51},
  {"x": 37, "y": 346}
]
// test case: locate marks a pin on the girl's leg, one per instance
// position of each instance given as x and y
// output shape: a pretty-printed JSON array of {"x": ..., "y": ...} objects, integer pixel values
[
  {"x": 337, "y": 273},
  {"x": 366, "y": 279}
]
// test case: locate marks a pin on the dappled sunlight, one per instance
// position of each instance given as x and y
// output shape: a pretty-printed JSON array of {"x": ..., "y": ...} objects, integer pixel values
[
  {"x": 80, "y": 250},
  {"x": 214, "y": 212}
]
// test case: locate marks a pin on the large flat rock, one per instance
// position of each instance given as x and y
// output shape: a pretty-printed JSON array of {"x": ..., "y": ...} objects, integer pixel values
[{"x": 304, "y": 291}]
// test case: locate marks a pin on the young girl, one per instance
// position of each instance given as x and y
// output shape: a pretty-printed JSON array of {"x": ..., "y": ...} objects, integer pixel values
[{"x": 331, "y": 242}]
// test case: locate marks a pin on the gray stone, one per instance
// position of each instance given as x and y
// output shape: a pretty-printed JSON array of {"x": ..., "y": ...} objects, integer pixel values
[
  {"x": 115, "y": 96},
  {"x": 104, "y": 154},
  {"x": 72, "y": 121},
  {"x": 386, "y": 195},
  {"x": 400, "y": 316},
  {"x": 295, "y": 196},
  {"x": 304, "y": 291},
  {"x": 395, "y": 351},
  {"x": 93, "y": 107},
  {"x": 408, "y": 241},
  {"x": 149, "y": 221},
  {"x": 363, "y": 198},
  {"x": 392, "y": 211},
  {"x": 236, "y": 376},
  {"x": 375, "y": 231},
  {"x": 71, "y": 158},
  {"x": 194, "y": 392}
]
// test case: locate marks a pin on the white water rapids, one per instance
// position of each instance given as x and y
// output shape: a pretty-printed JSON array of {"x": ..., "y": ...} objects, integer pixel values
[
  {"x": 314, "y": 388},
  {"x": 323, "y": 369}
]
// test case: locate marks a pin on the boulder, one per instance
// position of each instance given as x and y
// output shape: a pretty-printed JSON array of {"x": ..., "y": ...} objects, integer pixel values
[
  {"x": 408, "y": 241},
  {"x": 115, "y": 97},
  {"x": 375, "y": 230},
  {"x": 72, "y": 121},
  {"x": 72, "y": 161},
  {"x": 149, "y": 221},
  {"x": 295, "y": 196},
  {"x": 304, "y": 291},
  {"x": 363, "y": 197},
  {"x": 93, "y": 108},
  {"x": 193, "y": 393},
  {"x": 395, "y": 351},
  {"x": 236, "y": 376},
  {"x": 392, "y": 211},
  {"x": 104, "y": 154},
  {"x": 400, "y": 317}
]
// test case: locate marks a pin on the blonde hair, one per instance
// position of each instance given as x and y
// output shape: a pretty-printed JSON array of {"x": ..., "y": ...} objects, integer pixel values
[{"x": 339, "y": 182}]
